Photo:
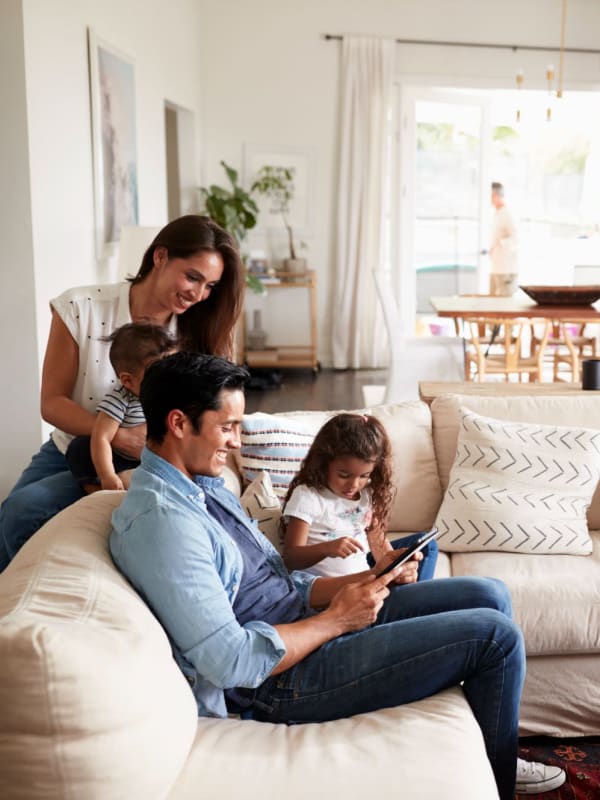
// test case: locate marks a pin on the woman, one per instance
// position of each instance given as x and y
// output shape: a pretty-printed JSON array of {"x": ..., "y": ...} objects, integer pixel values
[{"x": 191, "y": 280}]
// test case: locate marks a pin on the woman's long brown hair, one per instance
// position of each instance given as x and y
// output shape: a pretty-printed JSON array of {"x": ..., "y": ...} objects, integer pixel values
[
  {"x": 358, "y": 436},
  {"x": 206, "y": 327}
]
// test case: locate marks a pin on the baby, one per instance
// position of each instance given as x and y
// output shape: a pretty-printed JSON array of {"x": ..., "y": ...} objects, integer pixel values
[{"x": 92, "y": 460}]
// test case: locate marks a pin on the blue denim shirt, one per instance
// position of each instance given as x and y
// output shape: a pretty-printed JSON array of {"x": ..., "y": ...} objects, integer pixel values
[{"x": 187, "y": 568}]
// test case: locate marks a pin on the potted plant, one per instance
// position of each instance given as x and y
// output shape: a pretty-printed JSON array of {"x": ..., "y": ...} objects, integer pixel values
[
  {"x": 277, "y": 183},
  {"x": 235, "y": 210}
]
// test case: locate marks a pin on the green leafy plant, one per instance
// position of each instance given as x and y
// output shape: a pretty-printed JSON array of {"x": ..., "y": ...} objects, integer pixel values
[
  {"x": 277, "y": 183},
  {"x": 235, "y": 210}
]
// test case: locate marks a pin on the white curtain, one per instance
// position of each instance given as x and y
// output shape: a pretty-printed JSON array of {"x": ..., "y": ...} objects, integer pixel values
[{"x": 366, "y": 91}]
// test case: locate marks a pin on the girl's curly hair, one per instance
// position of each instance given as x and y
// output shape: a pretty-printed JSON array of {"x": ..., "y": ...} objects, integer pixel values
[{"x": 358, "y": 436}]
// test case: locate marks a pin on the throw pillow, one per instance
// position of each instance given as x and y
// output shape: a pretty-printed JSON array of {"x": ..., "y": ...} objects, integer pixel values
[
  {"x": 519, "y": 488},
  {"x": 261, "y": 503},
  {"x": 275, "y": 444}
]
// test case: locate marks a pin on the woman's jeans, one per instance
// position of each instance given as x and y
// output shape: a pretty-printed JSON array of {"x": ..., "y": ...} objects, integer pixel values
[
  {"x": 428, "y": 636},
  {"x": 44, "y": 489}
]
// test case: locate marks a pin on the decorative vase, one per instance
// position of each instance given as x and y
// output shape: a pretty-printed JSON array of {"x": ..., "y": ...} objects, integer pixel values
[
  {"x": 295, "y": 265},
  {"x": 257, "y": 337}
]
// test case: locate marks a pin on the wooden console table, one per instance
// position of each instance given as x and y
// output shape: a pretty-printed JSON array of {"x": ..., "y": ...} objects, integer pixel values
[{"x": 429, "y": 390}]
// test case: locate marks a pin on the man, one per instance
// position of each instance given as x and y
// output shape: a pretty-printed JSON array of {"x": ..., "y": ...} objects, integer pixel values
[
  {"x": 239, "y": 623},
  {"x": 503, "y": 248}
]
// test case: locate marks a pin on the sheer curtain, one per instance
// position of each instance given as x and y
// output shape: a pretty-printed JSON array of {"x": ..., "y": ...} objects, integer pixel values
[{"x": 366, "y": 91}]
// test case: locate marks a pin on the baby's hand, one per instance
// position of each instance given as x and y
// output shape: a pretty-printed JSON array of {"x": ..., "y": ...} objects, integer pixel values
[
  {"x": 112, "y": 482},
  {"x": 343, "y": 547}
]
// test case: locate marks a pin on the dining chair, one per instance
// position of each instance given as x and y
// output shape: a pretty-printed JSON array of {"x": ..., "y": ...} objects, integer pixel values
[
  {"x": 569, "y": 341},
  {"x": 512, "y": 352},
  {"x": 414, "y": 358}
]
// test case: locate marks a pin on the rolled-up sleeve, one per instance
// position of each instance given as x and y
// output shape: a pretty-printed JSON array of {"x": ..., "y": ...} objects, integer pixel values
[{"x": 177, "y": 573}]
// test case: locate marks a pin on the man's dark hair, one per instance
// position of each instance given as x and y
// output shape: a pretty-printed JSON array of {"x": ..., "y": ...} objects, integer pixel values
[
  {"x": 498, "y": 188},
  {"x": 133, "y": 344},
  {"x": 190, "y": 382}
]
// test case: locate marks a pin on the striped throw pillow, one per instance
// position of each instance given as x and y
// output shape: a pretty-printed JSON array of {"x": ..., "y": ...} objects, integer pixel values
[{"x": 275, "y": 444}]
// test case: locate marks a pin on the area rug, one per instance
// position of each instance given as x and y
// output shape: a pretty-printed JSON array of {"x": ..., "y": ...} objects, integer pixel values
[{"x": 580, "y": 758}]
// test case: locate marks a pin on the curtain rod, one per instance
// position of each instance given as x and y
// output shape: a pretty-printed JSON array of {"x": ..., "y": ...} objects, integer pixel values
[{"x": 489, "y": 46}]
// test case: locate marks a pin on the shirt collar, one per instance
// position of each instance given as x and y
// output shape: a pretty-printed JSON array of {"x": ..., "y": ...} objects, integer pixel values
[{"x": 174, "y": 477}]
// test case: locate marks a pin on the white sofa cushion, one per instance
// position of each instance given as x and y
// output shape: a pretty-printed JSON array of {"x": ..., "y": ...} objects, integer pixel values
[
  {"x": 519, "y": 487},
  {"x": 561, "y": 696},
  {"x": 555, "y": 598},
  {"x": 425, "y": 750},
  {"x": 92, "y": 704},
  {"x": 546, "y": 410}
]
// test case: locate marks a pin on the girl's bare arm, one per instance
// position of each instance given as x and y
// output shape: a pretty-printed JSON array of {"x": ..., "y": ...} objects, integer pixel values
[{"x": 299, "y": 555}]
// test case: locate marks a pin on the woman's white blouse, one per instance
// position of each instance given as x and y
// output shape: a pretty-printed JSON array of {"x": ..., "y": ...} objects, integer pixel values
[{"x": 91, "y": 313}]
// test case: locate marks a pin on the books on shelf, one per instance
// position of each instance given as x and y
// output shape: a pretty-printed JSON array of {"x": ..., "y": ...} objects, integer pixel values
[{"x": 268, "y": 280}]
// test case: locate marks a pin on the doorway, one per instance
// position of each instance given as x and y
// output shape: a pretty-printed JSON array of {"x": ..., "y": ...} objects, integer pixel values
[{"x": 180, "y": 144}]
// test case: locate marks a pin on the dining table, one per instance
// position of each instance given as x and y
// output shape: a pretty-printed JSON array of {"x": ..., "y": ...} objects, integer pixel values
[
  {"x": 487, "y": 306},
  {"x": 520, "y": 306}
]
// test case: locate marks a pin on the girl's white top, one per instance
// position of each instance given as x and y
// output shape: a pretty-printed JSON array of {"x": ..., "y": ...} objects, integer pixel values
[{"x": 331, "y": 517}]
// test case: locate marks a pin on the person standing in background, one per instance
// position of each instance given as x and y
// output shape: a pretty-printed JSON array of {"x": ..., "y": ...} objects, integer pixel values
[{"x": 503, "y": 247}]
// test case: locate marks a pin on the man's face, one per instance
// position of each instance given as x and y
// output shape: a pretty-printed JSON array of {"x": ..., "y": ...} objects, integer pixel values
[{"x": 205, "y": 452}]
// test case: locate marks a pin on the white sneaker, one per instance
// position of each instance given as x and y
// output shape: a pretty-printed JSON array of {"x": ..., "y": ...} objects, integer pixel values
[{"x": 534, "y": 778}]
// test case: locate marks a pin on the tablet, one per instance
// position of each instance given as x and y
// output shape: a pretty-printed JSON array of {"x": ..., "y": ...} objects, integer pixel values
[{"x": 405, "y": 555}]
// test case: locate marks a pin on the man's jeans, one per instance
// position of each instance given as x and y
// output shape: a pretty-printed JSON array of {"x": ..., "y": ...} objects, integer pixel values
[
  {"x": 44, "y": 489},
  {"x": 428, "y": 636}
]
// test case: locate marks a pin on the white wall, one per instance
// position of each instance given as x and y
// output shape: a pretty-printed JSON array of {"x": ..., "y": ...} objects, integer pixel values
[
  {"x": 20, "y": 427},
  {"x": 47, "y": 67},
  {"x": 273, "y": 80}
]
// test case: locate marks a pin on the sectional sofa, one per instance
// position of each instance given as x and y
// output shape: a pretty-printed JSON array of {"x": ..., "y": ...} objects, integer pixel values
[{"x": 92, "y": 705}]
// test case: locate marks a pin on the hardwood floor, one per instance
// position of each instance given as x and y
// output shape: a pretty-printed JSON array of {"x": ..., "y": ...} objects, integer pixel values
[{"x": 299, "y": 390}]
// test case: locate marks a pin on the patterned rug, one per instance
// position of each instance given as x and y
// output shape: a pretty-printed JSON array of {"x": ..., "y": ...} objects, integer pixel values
[{"x": 580, "y": 758}]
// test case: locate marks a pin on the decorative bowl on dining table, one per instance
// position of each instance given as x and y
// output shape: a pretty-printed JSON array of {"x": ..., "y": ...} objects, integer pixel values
[{"x": 563, "y": 295}]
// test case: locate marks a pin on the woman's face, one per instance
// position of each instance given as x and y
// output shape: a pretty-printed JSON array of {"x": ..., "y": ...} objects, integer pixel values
[{"x": 183, "y": 282}]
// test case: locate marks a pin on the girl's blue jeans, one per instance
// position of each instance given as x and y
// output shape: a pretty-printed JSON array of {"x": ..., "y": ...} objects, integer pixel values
[
  {"x": 428, "y": 636},
  {"x": 45, "y": 488}
]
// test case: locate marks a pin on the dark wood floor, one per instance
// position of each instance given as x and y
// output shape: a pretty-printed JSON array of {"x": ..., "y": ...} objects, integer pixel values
[{"x": 299, "y": 390}]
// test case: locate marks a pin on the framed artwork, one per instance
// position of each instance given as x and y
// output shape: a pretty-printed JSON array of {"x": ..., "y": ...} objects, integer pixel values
[
  {"x": 302, "y": 161},
  {"x": 114, "y": 151}
]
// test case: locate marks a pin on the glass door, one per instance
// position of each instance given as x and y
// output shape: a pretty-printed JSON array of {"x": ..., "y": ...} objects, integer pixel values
[{"x": 445, "y": 199}]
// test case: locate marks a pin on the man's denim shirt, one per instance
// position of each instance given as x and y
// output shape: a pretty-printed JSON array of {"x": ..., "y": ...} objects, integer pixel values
[{"x": 188, "y": 569}]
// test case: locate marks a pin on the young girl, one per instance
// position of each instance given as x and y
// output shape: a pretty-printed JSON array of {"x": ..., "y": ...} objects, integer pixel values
[{"x": 338, "y": 505}]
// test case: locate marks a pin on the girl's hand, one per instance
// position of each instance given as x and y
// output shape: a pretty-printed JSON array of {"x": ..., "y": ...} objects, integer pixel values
[{"x": 343, "y": 547}]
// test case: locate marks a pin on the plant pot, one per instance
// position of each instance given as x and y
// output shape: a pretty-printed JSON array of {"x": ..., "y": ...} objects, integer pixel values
[{"x": 297, "y": 265}]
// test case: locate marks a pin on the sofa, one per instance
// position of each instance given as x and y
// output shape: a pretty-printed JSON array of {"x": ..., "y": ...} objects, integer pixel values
[{"x": 93, "y": 707}]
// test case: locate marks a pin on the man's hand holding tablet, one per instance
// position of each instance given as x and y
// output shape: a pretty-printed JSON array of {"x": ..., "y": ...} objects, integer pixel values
[{"x": 402, "y": 556}]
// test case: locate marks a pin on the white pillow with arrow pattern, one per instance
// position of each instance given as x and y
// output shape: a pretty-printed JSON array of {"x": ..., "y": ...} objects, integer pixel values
[{"x": 519, "y": 488}]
